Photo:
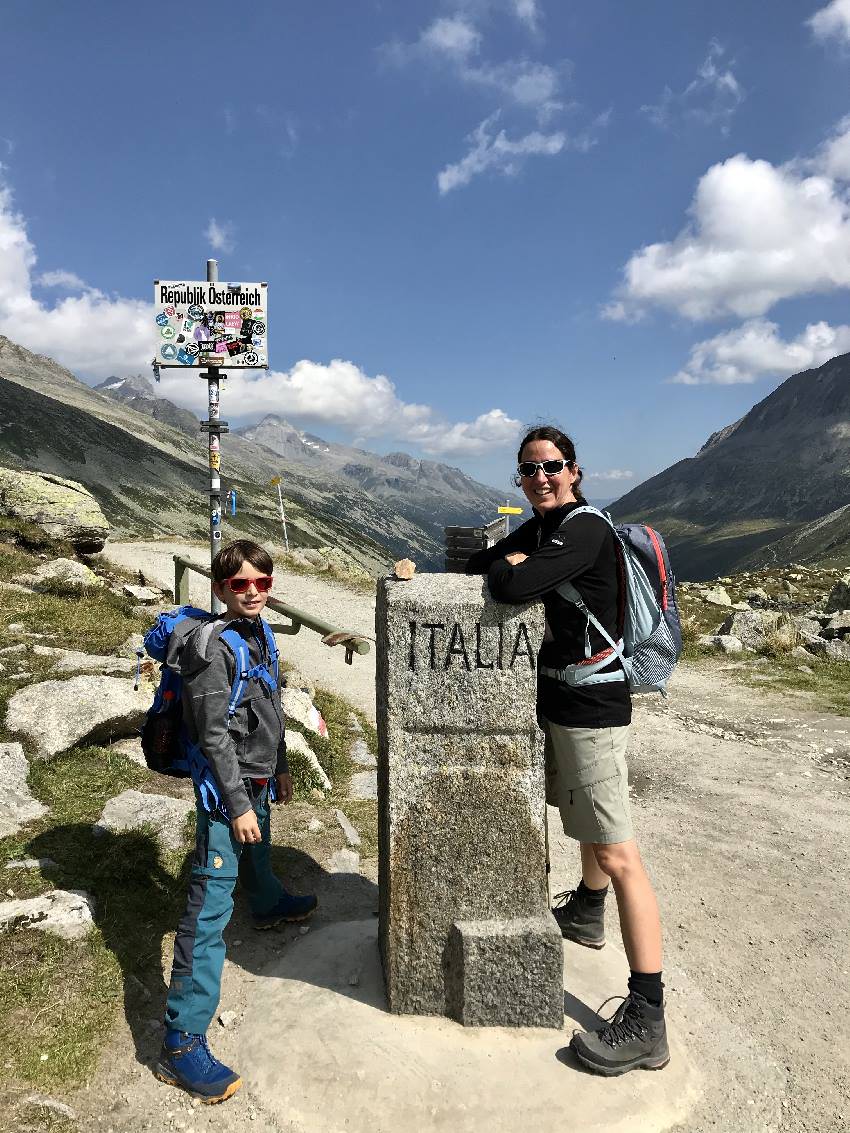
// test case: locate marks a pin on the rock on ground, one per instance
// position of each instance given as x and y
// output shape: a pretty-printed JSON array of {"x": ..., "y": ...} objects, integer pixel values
[
  {"x": 63, "y": 509},
  {"x": 64, "y": 912},
  {"x": 839, "y": 596},
  {"x": 351, "y": 835},
  {"x": 131, "y": 810},
  {"x": 753, "y": 627},
  {"x": 73, "y": 661},
  {"x": 717, "y": 596},
  {"x": 363, "y": 785},
  {"x": 65, "y": 572},
  {"x": 18, "y": 806},
  {"x": 298, "y": 706},
  {"x": 55, "y": 715},
  {"x": 344, "y": 861},
  {"x": 360, "y": 754}
]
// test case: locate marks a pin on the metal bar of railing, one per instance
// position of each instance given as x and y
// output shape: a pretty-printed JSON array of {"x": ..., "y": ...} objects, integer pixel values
[{"x": 353, "y": 642}]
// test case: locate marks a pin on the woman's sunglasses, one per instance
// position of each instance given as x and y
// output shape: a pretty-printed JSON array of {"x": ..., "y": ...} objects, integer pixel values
[
  {"x": 240, "y": 585},
  {"x": 528, "y": 468}
]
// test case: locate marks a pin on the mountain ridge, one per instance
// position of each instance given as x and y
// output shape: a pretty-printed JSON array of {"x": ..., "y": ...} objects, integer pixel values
[{"x": 753, "y": 484}]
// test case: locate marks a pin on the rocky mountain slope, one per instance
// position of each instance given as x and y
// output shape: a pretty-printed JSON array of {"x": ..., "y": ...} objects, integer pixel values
[
  {"x": 430, "y": 494},
  {"x": 770, "y": 488},
  {"x": 144, "y": 459}
]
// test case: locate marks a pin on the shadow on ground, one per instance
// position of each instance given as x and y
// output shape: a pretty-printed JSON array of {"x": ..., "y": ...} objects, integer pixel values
[{"x": 138, "y": 902}]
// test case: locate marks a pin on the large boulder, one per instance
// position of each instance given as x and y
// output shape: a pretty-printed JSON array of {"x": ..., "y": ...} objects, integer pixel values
[
  {"x": 133, "y": 810},
  {"x": 63, "y": 912},
  {"x": 838, "y": 625},
  {"x": 298, "y": 706},
  {"x": 754, "y": 627},
  {"x": 55, "y": 715},
  {"x": 839, "y": 596},
  {"x": 63, "y": 509},
  {"x": 17, "y": 804},
  {"x": 74, "y": 661}
]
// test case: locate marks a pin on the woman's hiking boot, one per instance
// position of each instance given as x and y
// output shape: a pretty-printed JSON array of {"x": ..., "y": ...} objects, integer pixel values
[
  {"x": 635, "y": 1037},
  {"x": 289, "y": 909},
  {"x": 187, "y": 1061},
  {"x": 578, "y": 919}
]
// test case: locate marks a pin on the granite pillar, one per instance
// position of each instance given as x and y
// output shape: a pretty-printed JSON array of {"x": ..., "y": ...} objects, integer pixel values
[{"x": 465, "y": 927}]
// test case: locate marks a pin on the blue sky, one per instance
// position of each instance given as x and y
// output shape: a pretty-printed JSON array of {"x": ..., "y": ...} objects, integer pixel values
[{"x": 632, "y": 219}]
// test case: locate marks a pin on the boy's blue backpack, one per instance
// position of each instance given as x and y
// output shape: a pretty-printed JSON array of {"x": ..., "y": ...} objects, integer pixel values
[
  {"x": 648, "y": 618},
  {"x": 165, "y": 741}
]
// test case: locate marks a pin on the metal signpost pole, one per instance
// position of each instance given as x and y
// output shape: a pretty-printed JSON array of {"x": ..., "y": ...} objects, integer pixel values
[{"x": 215, "y": 427}]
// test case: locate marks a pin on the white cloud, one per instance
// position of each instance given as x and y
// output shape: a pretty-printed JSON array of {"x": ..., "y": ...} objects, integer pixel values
[
  {"x": 69, "y": 280},
  {"x": 497, "y": 153},
  {"x": 611, "y": 474},
  {"x": 709, "y": 99},
  {"x": 456, "y": 42},
  {"x": 96, "y": 335},
  {"x": 528, "y": 12},
  {"x": 833, "y": 20},
  {"x": 755, "y": 349},
  {"x": 833, "y": 158},
  {"x": 453, "y": 36},
  {"x": 759, "y": 233},
  {"x": 342, "y": 395},
  {"x": 82, "y": 331},
  {"x": 220, "y": 236}
]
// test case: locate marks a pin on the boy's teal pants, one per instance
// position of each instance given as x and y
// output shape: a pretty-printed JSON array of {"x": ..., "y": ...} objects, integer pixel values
[{"x": 198, "y": 947}]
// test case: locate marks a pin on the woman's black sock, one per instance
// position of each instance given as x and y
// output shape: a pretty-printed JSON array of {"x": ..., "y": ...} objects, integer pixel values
[
  {"x": 593, "y": 897},
  {"x": 649, "y": 985}
]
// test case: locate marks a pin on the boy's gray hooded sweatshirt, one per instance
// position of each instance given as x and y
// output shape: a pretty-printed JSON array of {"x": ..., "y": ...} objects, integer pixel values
[{"x": 252, "y": 744}]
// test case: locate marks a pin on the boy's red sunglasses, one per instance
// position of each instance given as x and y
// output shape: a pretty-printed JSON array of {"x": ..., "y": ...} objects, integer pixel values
[{"x": 240, "y": 585}]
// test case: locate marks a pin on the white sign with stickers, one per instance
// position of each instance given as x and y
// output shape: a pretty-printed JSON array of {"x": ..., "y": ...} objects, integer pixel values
[{"x": 211, "y": 324}]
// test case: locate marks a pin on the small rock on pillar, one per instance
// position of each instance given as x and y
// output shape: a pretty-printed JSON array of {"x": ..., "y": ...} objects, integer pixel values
[{"x": 465, "y": 927}]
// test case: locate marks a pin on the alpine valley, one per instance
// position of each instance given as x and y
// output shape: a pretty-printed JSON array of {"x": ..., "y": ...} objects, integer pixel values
[{"x": 145, "y": 461}]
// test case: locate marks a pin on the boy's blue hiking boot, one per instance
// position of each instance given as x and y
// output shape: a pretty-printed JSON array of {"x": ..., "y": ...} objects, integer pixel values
[
  {"x": 187, "y": 1061},
  {"x": 290, "y": 908}
]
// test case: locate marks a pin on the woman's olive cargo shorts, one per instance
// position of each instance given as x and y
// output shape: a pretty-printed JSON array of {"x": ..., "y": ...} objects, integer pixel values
[{"x": 587, "y": 779}]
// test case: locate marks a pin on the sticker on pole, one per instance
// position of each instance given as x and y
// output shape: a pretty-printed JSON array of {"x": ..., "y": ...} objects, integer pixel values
[{"x": 225, "y": 322}]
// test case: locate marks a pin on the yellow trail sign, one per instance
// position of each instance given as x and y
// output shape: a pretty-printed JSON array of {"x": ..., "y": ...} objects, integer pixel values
[
  {"x": 510, "y": 511},
  {"x": 275, "y": 482}
]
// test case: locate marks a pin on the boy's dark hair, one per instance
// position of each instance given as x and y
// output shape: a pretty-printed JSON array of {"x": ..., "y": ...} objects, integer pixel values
[{"x": 229, "y": 559}]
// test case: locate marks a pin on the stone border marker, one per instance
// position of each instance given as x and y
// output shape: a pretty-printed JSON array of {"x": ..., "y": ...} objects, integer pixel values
[{"x": 465, "y": 926}]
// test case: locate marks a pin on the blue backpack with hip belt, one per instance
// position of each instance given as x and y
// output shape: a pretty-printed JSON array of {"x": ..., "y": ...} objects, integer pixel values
[
  {"x": 165, "y": 741},
  {"x": 650, "y": 638}
]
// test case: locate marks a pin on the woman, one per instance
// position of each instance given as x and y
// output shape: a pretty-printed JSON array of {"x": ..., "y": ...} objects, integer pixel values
[{"x": 584, "y": 708}]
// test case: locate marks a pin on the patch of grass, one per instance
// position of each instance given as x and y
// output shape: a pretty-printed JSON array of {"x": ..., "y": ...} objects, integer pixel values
[
  {"x": 33, "y": 538},
  {"x": 15, "y": 560},
  {"x": 827, "y": 686},
  {"x": 94, "y": 621},
  {"x": 60, "y": 998}
]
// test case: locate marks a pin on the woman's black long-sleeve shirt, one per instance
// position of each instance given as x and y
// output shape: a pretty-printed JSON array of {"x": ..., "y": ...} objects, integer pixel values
[{"x": 583, "y": 553}]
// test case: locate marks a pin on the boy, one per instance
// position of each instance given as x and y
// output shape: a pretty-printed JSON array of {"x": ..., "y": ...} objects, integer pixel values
[{"x": 245, "y": 753}]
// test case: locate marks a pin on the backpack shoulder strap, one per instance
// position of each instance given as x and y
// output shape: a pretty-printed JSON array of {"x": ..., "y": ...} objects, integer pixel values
[
  {"x": 273, "y": 651},
  {"x": 238, "y": 646},
  {"x": 571, "y": 594},
  {"x": 586, "y": 509}
]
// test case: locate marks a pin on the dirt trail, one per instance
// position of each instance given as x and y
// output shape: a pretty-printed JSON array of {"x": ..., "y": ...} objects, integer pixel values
[{"x": 741, "y": 807}]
